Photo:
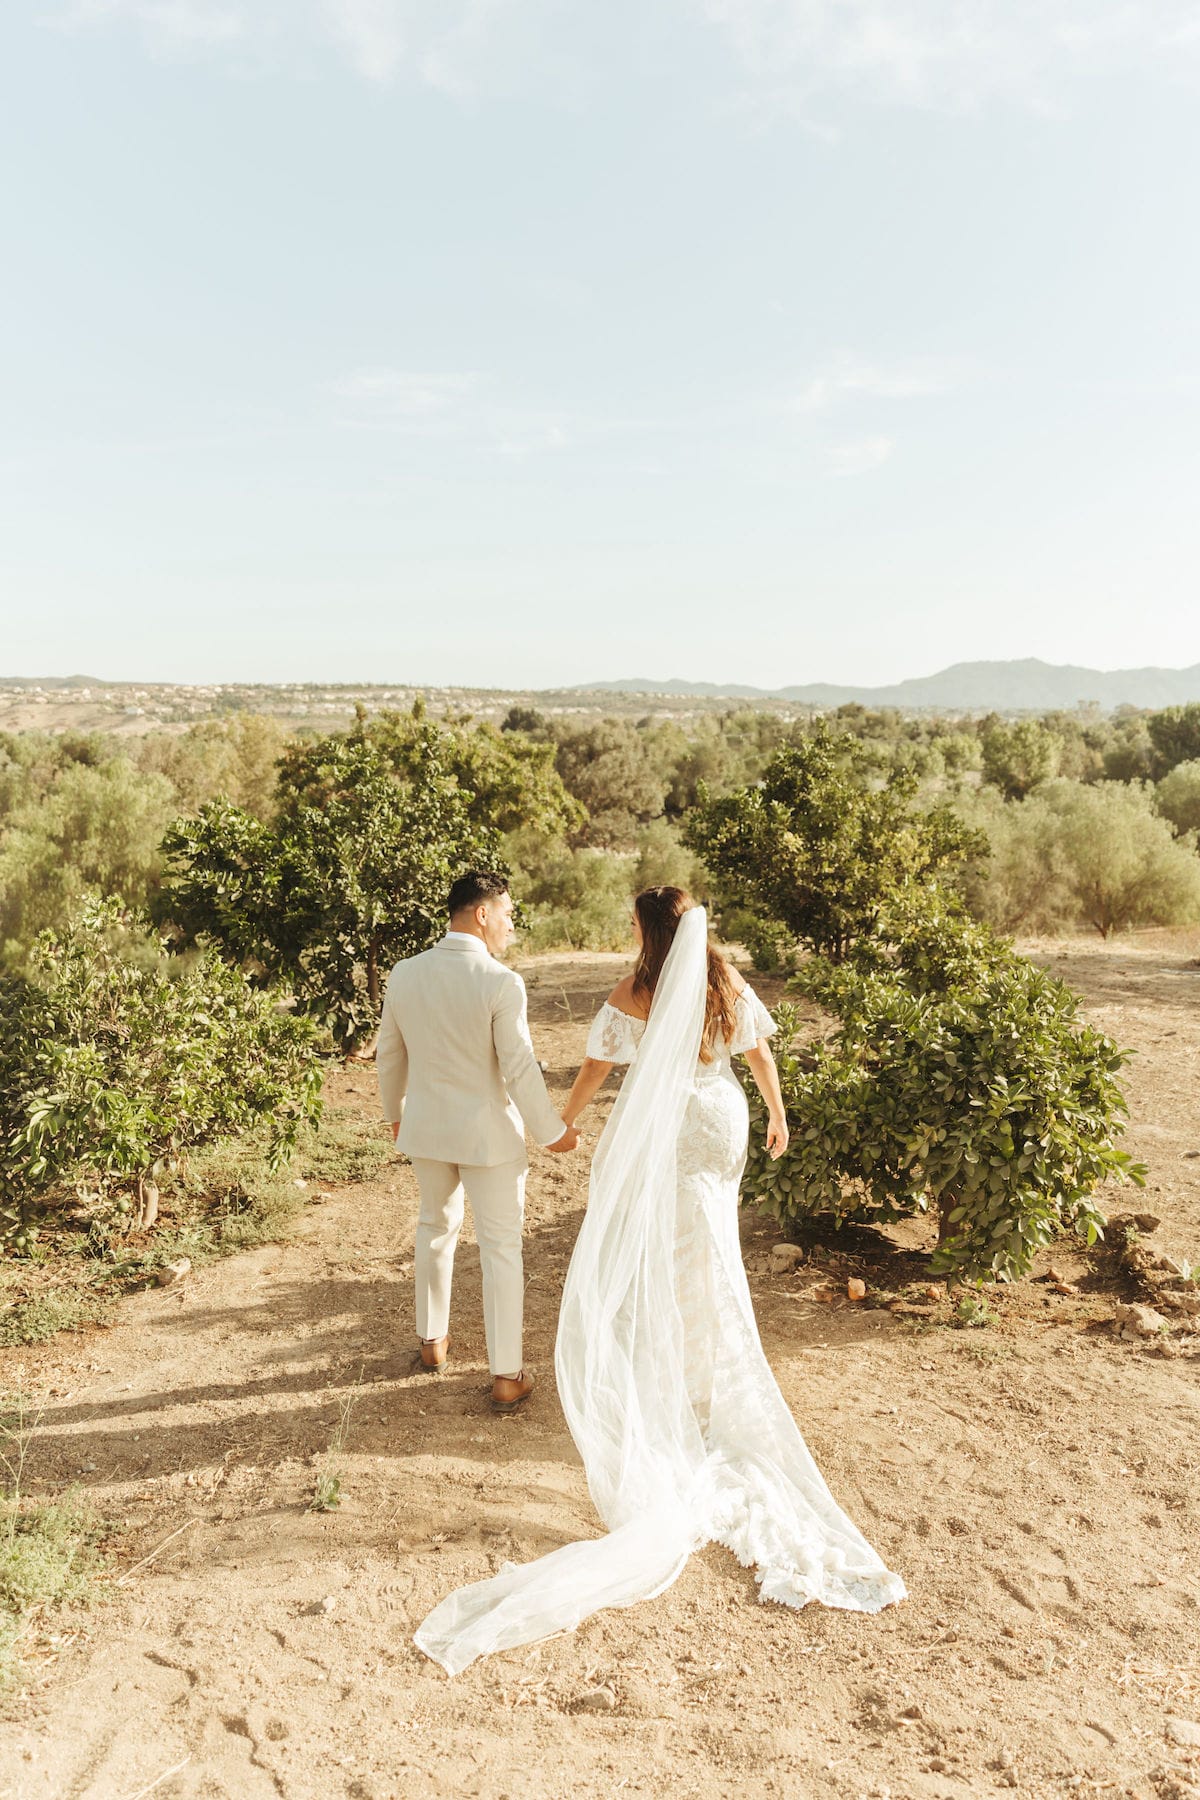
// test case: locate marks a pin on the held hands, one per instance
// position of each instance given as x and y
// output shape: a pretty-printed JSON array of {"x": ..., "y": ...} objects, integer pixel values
[
  {"x": 568, "y": 1141},
  {"x": 777, "y": 1136}
]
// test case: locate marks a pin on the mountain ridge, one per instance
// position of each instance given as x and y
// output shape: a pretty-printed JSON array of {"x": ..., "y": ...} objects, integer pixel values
[{"x": 1022, "y": 685}]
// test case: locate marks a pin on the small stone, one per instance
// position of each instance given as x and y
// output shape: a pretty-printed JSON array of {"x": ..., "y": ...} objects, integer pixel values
[
  {"x": 1184, "y": 1731},
  {"x": 1188, "y": 1304},
  {"x": 785, "y": 1257},
  {"x": 1189, "y": 1154},
  {"x": 934, "y": 1292},
  {"x": 856, "y": 1289},
  {"x": 1147, "y": 1222},
  {"x": 300, "y": 1182},
  {"x": 1169, "y": 1265},
  {"x": 1140, "y": 1321},
  {"x": 174, "y": 1271},
  {"x": 597, "y": 1700},
  {"x": 912, "y": 1712}
]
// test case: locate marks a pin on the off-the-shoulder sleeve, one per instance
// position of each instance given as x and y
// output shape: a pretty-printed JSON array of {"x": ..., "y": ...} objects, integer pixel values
[
  {"x": 615, "y": 1036},
  {"x": 753, "y": 1022}
]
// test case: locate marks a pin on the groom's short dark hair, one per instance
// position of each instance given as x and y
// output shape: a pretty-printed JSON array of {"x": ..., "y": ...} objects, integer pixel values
[{"x": 473, "y": 888}]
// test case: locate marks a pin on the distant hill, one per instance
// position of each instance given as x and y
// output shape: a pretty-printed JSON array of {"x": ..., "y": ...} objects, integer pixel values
[
  {"x": 54, "y": 681},
  {"x": 1024, "y": 686}
]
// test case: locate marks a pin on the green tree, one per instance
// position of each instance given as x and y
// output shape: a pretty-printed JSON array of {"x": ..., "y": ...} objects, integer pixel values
[
  {"x": 351, "y": 875},
  {"x": 115, "y": 1058},
  {"x": 610, "y": 770},
  {"x": 1023, "y": 882},
  {"x": 1177, "y": 797},
  {"x": 817, "y": 853},
  {"x": 76, "y": 828},
  {"x": 1174, "y": 737},
  {"x": 509, "y": 780},
  {"x": 961, "y": 1082},
  {"x": 571, "y": 898},
  {"x": 233, "y": 758},
  {"x": 1020, "y": 756},
  {"x": 1123, "y": 865}
]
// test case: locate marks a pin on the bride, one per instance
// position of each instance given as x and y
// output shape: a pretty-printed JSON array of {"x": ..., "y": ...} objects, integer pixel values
[{"x": 684, "y": 1434}]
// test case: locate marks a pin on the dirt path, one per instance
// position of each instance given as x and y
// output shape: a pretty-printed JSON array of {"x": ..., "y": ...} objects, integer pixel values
[{"x": 1034, "y": 1483}]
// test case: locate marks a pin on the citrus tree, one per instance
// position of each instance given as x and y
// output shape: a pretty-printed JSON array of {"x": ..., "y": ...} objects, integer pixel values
[
  {"x": 959, "y": 1081},
  {"x": 351, "y": 874},
  {"x": 115, "y": 1058},
  {"x": 818, "y": 850}
]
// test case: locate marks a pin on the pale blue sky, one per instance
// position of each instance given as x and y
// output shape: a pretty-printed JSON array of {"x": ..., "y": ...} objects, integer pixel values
[{"x": 517, "y": 341}]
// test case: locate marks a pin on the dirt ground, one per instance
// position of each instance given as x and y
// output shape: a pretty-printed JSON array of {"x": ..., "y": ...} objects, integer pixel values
[{"x": 1034, "y": 1482}]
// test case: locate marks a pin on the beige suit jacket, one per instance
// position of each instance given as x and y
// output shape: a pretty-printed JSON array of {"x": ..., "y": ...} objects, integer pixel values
[{"x": 455, "y": 1062}]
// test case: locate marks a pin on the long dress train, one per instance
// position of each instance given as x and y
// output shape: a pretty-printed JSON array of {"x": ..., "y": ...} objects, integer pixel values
[{"x": 684, "y": 1434}]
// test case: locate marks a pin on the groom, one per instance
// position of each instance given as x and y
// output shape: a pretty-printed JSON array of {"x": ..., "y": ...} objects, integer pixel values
[{"x": 460, "y": 1085}]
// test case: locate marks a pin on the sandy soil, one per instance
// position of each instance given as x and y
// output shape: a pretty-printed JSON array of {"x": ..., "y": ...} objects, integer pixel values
[{"x": 1035, "y": 1483}]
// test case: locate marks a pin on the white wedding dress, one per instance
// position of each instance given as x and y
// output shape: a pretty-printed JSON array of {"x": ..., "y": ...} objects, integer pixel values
[{"x": 684, "y": 1434}]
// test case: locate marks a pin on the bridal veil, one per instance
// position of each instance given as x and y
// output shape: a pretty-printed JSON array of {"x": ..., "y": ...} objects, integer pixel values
[{"x": 684, "y": 1435}]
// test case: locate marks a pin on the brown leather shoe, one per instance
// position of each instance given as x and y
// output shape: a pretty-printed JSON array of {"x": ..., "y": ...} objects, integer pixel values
[
  {"x": 511, "y": 1391},
  {"x": 433, "y": 1354}
]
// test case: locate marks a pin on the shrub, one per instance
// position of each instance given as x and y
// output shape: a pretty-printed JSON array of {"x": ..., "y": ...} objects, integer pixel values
[
  {"x": 118, "y": 1060},
  {"x": 571, "y": 899},
  {"x": 959, "y": 1081}
]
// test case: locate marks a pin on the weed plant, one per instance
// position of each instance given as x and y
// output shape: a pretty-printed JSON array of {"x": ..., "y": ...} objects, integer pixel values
[{"x": 48, "y": 1549}]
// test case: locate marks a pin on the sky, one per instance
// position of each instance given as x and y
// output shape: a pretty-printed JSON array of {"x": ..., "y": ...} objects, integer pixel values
[{"x": 527, "y": 342}]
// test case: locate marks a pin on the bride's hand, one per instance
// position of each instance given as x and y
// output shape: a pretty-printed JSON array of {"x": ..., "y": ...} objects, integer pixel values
[{"x": 777, "y": 1136}]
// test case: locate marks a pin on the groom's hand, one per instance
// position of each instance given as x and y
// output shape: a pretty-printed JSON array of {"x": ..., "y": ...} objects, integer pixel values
[{"x": 568, "y": 1141}]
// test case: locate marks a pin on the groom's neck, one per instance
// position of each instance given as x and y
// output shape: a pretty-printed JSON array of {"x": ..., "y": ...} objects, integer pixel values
[{"x": 469, "y": 926}]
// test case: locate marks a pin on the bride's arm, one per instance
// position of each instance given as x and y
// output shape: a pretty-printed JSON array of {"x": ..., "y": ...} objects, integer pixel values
[
  {"x": 590, "y": 1079},
  {"x": 766, "y": 1080}
]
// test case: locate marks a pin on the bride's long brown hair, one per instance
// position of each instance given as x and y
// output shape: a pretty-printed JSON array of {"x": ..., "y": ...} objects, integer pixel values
[{"x": 659, "y": 910}]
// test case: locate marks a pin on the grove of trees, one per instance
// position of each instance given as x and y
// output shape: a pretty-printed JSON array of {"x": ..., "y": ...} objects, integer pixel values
[{"x": 249, "y": 889}]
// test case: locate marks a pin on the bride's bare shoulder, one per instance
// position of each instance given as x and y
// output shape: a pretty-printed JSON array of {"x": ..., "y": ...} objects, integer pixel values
[{"x": 625, "y": 1000}]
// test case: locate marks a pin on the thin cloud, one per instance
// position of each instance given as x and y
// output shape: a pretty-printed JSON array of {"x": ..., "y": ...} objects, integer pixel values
[
  {"x": 948, "y": 55},
  {"x": 460, "y": 47},
  {"x": 166, "y": 24},
  {"x": 402, "y": 393},
  {"x": 859, "y": 457},
  {"x": 844, "y": 377},
  {"x": 457, "y": 406},
  {"x": 944, "y": 54}
]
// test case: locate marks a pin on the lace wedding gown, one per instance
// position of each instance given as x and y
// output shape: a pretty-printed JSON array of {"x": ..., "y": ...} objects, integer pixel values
[{"x": 684, "y": 1434}]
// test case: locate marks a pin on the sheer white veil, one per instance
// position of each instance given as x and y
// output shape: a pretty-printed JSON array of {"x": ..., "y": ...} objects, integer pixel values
[
  {"x": 684, "y": 1434},
  {"x": 619, "y": 1358}
]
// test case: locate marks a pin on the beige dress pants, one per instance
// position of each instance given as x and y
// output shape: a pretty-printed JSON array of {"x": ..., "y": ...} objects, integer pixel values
[{"x": 497, "y": 1197}]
